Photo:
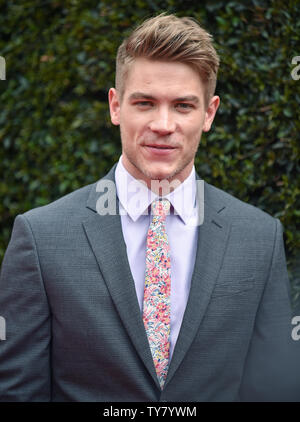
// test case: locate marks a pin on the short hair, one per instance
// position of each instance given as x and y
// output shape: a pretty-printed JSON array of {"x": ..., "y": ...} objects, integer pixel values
[{"x": 170, "y": 38}]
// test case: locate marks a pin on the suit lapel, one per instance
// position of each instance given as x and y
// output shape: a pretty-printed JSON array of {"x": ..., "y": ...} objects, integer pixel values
[
  {"x": 105, "y": 236},
  {"x": 212, "y": 241}
]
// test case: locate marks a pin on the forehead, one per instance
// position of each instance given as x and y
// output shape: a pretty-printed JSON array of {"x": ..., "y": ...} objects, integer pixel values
[{"x": 156, "y": 78}]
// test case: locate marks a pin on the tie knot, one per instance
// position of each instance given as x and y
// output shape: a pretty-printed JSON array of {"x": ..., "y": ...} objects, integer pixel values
[{"x": 160, "y": 207}]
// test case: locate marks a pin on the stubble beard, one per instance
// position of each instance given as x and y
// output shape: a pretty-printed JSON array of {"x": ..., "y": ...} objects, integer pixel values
[{"x": 149, "y": 175}]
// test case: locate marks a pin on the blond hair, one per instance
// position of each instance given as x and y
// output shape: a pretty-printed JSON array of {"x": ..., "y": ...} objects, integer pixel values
[{"x": 169, "y": 38}]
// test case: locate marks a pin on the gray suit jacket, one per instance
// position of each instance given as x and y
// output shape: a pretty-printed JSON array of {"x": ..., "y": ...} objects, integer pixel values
[{"x": 75, "y": 330}]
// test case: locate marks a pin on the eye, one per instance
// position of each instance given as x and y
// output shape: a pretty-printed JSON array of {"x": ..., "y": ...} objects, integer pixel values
[
  {"x": 143, "y": 104},
  {"x": 184, "y": 106}
]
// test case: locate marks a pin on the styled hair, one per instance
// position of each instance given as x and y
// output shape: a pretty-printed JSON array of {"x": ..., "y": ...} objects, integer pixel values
[{"x": 169, "y": 38}]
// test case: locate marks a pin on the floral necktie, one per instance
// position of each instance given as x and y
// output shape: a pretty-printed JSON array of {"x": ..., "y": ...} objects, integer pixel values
[{"x": 157, "y": 290}]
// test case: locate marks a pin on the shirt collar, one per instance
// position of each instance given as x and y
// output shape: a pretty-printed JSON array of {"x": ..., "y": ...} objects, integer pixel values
[{"x": 135, "y": 197}]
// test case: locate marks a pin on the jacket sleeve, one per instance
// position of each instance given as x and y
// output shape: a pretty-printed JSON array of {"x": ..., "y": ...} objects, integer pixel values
[
  {"x": 25, "y": 347},
  {"x": 272, "y": 368}
]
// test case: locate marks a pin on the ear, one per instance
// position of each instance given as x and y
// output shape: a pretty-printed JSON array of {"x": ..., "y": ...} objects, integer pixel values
[
  {"x": 211, "y": 112},
  {"x": 114, "y": 106}
]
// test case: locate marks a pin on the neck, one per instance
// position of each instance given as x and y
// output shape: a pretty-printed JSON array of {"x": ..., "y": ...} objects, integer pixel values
[{"x": 160, "y": 186}]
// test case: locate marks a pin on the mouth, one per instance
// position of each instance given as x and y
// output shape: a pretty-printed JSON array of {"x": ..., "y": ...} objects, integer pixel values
[
  {"x": 159, "y": 146},
  {"x": 160, "y": 150}
]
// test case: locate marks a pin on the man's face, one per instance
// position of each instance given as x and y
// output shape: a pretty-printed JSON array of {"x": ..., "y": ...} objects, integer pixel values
[{"x": 161, "y": 116}]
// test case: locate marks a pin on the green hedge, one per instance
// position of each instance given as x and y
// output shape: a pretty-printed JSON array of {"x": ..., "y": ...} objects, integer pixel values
[{"x": 55, "y": 131}]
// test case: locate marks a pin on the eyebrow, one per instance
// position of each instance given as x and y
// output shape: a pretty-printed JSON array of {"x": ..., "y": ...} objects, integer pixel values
[
  {"x": 138, "y": 95},
  {"x": 187, "y": 98}
]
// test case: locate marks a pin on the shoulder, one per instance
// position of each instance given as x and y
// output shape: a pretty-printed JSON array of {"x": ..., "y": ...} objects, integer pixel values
[
  {"x": 67, "y": 207},
  {"x": 67, "y": 212},
  {"x": 73, "y": 205},
  {"x": 235, "y": 210}
]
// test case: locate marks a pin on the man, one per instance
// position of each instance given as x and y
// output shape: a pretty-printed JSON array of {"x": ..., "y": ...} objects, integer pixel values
[{"x": 154, "y": 300}]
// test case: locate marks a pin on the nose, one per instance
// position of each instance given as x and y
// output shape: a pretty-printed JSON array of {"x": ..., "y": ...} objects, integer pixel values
[{"x": 163, "y": 122}]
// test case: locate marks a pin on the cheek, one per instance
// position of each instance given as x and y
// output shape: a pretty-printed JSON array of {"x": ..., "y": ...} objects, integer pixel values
[
  {"x": 193, "y": 132},
  {"x": 192, "y": 124},
  {"x": 127, "y": 130},
  {"x": 131, "y": 124}
]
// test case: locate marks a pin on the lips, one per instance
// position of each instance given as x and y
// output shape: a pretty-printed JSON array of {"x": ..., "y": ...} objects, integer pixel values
[
  {"x": 160, "y": 151},
  {"x": 159, "y": 146}
]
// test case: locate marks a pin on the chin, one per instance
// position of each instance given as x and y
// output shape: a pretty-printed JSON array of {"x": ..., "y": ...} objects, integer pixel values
[{"x": 159, "y": 174}]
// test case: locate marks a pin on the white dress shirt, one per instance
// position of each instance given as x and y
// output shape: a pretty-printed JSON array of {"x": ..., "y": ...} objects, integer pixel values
[{"x": 134, "y": 205}]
